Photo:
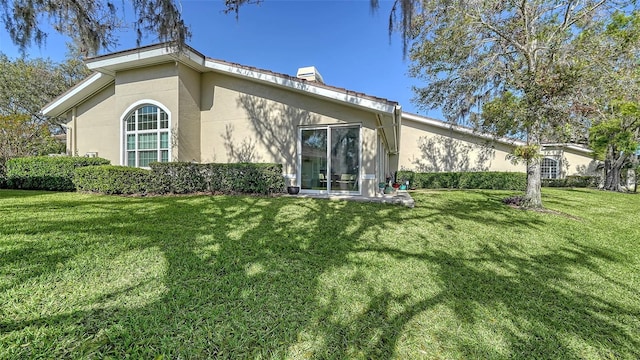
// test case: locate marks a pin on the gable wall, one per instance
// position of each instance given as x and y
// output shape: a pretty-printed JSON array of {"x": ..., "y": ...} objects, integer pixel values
[
  {"x": 158, "y": 83},
  {"x": 97, "y": 126},
  {"x": 247, "y": 121}
]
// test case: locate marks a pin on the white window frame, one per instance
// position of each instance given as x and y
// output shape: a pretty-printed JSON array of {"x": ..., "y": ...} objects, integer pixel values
[
  {"x": 123, "y": 130},
  {"x": 551, "y": 175}
]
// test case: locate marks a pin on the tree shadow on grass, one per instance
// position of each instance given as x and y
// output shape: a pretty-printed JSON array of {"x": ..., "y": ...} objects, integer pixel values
[{"x": 253, "y": 277}]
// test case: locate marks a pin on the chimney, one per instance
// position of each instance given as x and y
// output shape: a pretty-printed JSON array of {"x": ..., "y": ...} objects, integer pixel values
[{"x": 309, "y": 73}]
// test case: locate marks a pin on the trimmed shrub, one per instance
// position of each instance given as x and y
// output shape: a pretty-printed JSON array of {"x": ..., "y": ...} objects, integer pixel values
[
  {"x": 578, "y": 181},
  {"x": 112, "y": 179},
  {"x": 46, "y": 172},
  {"x": 464, "y": 180},
  {"x": 247, "y": 178},
  {"x": 180, "y": 177}
]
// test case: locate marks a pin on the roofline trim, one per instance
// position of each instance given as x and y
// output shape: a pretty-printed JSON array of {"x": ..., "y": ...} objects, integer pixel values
[
  {"x": 469, "y": 131},
  {"x": 50, "y": 107},
  {"x": 460, "y": 129},
  {"x": 300, "y": 85}
]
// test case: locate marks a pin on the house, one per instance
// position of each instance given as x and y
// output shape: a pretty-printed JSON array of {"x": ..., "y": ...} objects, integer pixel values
[{"x": 155, "y": 104}]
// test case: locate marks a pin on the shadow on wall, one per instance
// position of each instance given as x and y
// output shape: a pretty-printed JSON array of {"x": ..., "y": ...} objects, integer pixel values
[
  {"x": 245, "y": 151},
  {"x": 443, "y": 154},
  {"x": 592, "y": 169},
  {"x": 276, "y": 125}
]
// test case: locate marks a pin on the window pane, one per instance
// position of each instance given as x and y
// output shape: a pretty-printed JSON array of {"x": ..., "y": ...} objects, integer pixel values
[
  {"x": 314, "y": 160},
  {"x": 131, "y": 158},
  {"x": 345, "y": 158},
  {"x": 549, "y": 168},
  {"x": 148, "y": 118},
  {"x": 164, "y": 140},
  {"x": 147, "y": 141},
  {"x": 164, "y": 120},
  {"x": 131, "y": 142},
  {"x": 146, "y": 157},
  {"x": 131, "y": 122},
  {"x": 164, "y": 156}
]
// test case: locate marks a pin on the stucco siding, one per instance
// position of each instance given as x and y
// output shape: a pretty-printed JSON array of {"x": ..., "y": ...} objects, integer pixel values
[
  {"x": 97, "y": 129},
  {"x": 156, "y": 83},
  {"x": 426, "y": 148},
  {"x": 572, "y": 162},
  {"x": 186, "y": 127},
  {"x": 248, "y": 121}
]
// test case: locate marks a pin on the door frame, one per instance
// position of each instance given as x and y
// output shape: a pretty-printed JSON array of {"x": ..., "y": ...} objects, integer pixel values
[{"x": 328, "y": 189}]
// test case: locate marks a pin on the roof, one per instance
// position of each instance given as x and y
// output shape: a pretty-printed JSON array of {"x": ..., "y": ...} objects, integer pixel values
[
  {"x": 109, "y": 64},
  {"x": 106, "y": 66}
]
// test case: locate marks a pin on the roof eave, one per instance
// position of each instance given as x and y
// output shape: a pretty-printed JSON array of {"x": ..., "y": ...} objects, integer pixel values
[
  {"x": 347, "y": 97},
  {"x": 77, "y": 94}
]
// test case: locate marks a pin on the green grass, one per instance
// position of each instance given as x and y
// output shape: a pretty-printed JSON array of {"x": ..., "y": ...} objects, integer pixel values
[{"x": 458, "y": 276}]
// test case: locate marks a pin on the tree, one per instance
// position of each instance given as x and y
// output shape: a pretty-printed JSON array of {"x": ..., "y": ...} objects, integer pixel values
[
  {"x": 28, "y": 85},
  {"x": 25, "y": 87},
  {"x": 609, "y": 96},
  {"x": 481, "y": 60},
  {"x": 91, "y": 24},
  {"x": 20, "y": 136}
]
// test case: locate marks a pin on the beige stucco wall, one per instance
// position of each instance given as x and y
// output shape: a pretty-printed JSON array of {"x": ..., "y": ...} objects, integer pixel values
[
  {"x": 186, "y": 127},
  {"x": 572, "y": 162},
  {"x": 248, "y": 121},
  {"x": 154, "y": 83},
  {"x": 428, "y": 148},
  {"x": 96, "y": 129}
]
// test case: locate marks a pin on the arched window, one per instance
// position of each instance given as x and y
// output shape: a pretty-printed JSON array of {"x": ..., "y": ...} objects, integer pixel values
[
  {"x": 550, "y": 168},
  {"x": 146, "y": 136}
]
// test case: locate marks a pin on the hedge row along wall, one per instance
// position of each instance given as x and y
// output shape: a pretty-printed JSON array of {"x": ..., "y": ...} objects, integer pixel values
[
  {"x": 487, "y": 180},
  {"x": 46, "y": 172},
  {"x": 464, "y": 180},
  {"x": 183, "y": 178}
]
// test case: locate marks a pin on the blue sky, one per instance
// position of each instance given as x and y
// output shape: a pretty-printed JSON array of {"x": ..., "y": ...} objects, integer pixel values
[{"x": 344, "y": 40}]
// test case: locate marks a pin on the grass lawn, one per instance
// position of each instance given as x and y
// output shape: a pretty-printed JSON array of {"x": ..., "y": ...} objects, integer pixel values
[{"x": 458, "y": 276}]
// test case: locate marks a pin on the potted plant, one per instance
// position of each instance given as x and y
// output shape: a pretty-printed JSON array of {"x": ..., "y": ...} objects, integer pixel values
[{"x": 293, "y": 189}]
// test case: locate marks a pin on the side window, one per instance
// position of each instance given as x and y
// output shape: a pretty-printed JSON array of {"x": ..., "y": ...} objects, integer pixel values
[
  {"x": 550, "y": 168},
  {"x": 146, "y": 136}
]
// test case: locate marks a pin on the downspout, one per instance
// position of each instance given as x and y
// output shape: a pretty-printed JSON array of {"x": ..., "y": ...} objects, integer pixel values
[
  {"x": 74, "y": 133},
  {"x": 397, "y": 120}
]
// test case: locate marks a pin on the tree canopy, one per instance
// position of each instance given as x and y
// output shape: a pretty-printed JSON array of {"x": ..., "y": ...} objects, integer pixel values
[
  {"x": 507, "y": 67},
  {"x": 608, "y": 100},
  {"x": 92, "y": 24},
  {"x": 25, "y": 87}
]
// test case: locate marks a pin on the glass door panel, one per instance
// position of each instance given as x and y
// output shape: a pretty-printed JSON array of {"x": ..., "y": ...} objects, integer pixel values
[
  {"x": 313, "y": 171},
  {"x": 345, "y": 158}
]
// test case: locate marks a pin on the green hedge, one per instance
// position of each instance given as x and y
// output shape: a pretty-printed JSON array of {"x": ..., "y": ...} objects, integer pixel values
[
  {"x": 111, "y": 179},
  {"x": 464, "y": 180},
  {"x": 180, "y": 177},
  {"x": 247, "y": 178},
  {"x": 577, "y": 181},
  {"x": 46, "y": 172},
  {"x": 183, "y": 178}
]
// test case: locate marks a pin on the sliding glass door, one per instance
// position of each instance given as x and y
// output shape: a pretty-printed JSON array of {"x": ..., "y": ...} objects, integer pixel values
[{"x": 330, "y": 158}]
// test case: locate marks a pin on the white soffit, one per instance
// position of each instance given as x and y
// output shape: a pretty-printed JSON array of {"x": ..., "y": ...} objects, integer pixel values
[
  {"x": 77, "y": 94},
  {"x": 110, "y": 64}
]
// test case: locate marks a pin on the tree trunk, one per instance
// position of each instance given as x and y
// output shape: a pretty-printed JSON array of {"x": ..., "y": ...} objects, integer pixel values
[
  {"x": 613, "y": 171},
  {"x": 533, "y": 196}
]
